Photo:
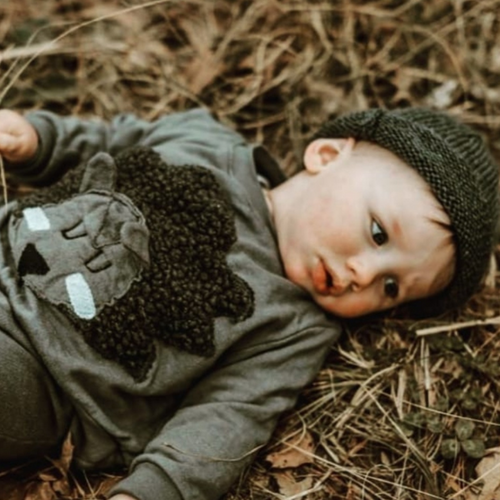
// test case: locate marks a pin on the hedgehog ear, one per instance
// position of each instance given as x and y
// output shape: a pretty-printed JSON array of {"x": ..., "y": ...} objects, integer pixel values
[
  {"x": 135, "y": 237},
  {"x": 100, "y": 173}
]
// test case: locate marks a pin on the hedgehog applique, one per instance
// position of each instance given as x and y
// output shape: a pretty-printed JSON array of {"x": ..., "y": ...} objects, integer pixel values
[{"x": 134, "y": 251}]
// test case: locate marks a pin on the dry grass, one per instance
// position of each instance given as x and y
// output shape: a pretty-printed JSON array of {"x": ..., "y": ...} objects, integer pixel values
[{"x": 388, "y": 401}]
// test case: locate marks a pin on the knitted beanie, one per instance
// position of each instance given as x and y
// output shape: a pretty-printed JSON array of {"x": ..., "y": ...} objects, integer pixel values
[{"x": 461, "y": 173}]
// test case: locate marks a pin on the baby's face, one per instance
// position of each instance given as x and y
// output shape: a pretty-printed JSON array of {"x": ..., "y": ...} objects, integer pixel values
[{"x": 360, "y": 230}]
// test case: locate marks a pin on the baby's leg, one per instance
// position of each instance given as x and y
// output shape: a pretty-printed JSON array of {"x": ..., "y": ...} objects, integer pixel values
[{"x": 34, "y": 414}]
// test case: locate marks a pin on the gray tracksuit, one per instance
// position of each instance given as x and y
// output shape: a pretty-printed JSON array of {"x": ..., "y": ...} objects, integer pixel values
[{"x": 193, "y": 422}]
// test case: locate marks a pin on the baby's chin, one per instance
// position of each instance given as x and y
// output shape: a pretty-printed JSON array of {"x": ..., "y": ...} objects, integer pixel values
[{"x": 343, "y": 309}]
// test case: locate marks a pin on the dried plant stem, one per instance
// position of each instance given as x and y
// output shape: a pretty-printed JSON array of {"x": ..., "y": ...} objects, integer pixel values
[
  {"x": 51, "y": 48},
  {"x": 457, "y": 326},
  {"x": 314, "y": 488},
  {"x": 3, "y": 180},
  {"x": 53, "y": 43}
]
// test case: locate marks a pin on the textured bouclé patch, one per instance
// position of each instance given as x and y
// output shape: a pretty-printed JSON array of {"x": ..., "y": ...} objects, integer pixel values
[{"x": 187, "y": 282}]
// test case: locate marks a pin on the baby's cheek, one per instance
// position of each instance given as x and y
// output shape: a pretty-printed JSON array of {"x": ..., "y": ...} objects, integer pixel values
[{"x": 295, "y": 271}]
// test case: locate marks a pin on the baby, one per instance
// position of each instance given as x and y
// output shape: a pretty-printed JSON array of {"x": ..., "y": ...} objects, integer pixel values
[
  {"x": 362, "y": 232},
  {"x": 156, "y": 300}
]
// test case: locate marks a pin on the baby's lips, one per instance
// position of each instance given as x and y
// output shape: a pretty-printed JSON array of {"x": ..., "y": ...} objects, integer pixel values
[
  {"x": 327, "y": 282},
  {"x": 319, "y": 278}
]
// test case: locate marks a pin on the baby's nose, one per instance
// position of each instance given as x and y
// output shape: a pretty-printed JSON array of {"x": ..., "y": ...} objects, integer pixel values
[{"x": 364, "y": 270}]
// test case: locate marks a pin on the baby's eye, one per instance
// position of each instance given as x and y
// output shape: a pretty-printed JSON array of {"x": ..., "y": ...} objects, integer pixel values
[
  {"x": 391, "y": 288},
  {"x": 379, "y": 236}
]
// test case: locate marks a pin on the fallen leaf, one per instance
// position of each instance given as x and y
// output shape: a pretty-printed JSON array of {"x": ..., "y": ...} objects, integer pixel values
[
  {"x": 293, "y": 455},
  {"x": 106, "y": 484},
  {"x": 63, "y": 463},
  {"x": 289, "y": 486},
  {"x": 12, "y": 489},
  {"x": 61, "y": 487},
  {"x": 40, "y": 491},
  {"x": 442, "y": 96},
  {"x": 488, "y": 472}
]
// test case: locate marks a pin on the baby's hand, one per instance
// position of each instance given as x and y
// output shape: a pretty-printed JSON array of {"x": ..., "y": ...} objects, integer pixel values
[{"x": 18, "y": 138}]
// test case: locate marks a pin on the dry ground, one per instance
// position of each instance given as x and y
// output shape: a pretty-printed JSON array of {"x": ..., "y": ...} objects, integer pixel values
[{"x": 394, "y": 414}]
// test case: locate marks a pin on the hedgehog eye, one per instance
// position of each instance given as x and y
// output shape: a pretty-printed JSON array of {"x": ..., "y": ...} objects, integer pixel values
[
  {"x": 77, "y": 231},
  {"x": 98, "y": 262}
]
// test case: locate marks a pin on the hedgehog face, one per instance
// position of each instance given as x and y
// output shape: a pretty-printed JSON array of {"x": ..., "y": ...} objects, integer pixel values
[{"x": 83, "y": 253}]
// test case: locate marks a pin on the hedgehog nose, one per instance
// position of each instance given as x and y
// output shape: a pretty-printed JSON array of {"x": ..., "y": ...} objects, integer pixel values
[{"x": 32, "y": 262}]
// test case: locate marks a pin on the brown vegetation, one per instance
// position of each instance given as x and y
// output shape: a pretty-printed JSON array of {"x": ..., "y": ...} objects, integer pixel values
[{"x": 398, "y": 412}]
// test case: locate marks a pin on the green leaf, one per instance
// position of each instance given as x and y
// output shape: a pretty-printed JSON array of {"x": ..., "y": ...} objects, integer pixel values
[
  {"x": 406, "y": 429},
  {"x": 442, "y": 404},
  {"x": 435, "y": 424},
  {"x": 476, "y": 393},
  {"x": 464, "y": 429},
  {"x": 474, "y": 448},
  {"x": 450, "y": 448},
  {"x": 469, "y": 403},
  {"x": 415, "y": 419}
]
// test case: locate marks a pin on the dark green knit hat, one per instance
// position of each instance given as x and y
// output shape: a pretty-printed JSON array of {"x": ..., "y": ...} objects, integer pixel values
[{"x": 461, "y": 173}]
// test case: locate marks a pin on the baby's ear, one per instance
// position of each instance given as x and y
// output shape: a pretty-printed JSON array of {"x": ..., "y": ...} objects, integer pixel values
[{"x": 322, "y": 152}]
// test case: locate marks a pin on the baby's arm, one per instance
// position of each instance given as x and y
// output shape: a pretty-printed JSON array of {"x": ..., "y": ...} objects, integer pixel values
[
  {"x": 58, "y": 143},
  {"x": 227, "y": 417}
]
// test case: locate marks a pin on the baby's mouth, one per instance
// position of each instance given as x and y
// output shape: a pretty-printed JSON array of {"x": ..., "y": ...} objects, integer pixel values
[
  {"x": 329, "y": 279},
  {"x": 320, "y": 278},
  {"x": 329, "y": 283},
  {"x": 323, "y": 279}
]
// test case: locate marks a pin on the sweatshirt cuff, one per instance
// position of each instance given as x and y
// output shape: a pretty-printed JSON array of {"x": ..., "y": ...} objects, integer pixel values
[{"x": 147, "y": 482}]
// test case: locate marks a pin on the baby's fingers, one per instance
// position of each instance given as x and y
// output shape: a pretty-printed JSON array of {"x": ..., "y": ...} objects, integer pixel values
[
  {"x": 18, "y": 138},
  {"x": 7, "y": 143},
  {"x": 11, "y": 147}
]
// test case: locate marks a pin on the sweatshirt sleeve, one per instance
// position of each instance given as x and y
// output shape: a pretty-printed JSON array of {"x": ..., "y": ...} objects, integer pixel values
[
  {"x": 226, "y": 418},
  {"x": 65, "y": 142}
]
